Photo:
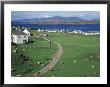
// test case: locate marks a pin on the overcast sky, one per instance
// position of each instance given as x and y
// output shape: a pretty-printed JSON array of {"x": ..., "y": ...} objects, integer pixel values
[{"x": 18, "y": 15}]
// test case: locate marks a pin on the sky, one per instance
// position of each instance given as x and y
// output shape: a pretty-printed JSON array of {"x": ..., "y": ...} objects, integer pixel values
[{"x": 18, "y": 15}]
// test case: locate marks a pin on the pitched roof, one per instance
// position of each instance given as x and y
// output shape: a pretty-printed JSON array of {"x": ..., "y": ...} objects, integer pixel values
[
  {"x": 19, "y": 33},
  {"x": 26, "y": 31},
  {"x": 22, "y": 29}
]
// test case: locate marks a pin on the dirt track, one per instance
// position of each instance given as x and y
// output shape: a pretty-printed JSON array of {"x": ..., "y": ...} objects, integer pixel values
[{"x": 52, "y": 63}]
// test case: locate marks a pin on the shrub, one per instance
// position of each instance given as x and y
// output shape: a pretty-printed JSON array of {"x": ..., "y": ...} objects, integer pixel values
[
  {"x": 31, "y": 34},
  {"x": 13, "y": 44},
  {"x": 30, "y": 41}
]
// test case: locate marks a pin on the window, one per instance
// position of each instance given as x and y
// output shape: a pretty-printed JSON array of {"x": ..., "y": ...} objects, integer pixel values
[
  {"x": 24, "y": 36},
  {"x": 24, "y": 41},
  {"x": 19, "y": 36}
]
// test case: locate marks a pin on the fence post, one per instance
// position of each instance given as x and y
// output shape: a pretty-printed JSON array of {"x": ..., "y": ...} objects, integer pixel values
[{"x": 50, "y": 43}]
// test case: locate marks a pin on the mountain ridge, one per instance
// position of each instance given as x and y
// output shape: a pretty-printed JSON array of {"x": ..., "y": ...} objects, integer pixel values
[{"x": 56, "y": 19}]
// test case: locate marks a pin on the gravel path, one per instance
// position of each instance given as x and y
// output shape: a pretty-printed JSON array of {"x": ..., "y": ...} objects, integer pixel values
[{"x": 52, "y": 63}]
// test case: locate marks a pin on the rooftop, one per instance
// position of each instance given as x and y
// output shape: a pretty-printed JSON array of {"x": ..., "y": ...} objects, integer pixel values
[{"x": 19, "y": 33}]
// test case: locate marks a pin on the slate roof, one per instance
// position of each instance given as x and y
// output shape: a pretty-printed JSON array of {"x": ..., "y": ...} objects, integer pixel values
[
  {"x": 22, "y": 29},
  {"x": 19, "y": 33}
]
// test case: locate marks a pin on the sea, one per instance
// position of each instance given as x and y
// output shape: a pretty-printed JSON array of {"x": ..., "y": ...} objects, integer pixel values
[{"x": 82, "y": 27}]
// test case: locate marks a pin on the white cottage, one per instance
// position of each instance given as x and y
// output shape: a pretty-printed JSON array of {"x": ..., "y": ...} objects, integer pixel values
[{"x": 19, "y": 37}]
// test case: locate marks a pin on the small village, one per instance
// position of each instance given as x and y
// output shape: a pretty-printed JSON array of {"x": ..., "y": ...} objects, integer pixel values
[
  {"x": 21, "y": 34},
  {"x": 27, "y": 42}
]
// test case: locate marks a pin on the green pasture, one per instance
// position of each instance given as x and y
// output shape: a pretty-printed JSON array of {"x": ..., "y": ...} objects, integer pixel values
[
  {"x": 85, "y": 50},
  {"x": 36, "y": 52},
  {"x": 80, "y": 58}
]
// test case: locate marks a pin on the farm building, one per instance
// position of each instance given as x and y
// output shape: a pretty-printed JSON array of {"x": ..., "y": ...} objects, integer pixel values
[
  {"x": 19, "y": 37},
  {"x": 91, "y": 33}
]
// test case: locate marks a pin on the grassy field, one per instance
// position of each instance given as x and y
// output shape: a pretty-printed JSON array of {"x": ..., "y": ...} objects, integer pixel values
[
  {"x": 81, "y": 56},
  {"x": 33, "y": 58}
]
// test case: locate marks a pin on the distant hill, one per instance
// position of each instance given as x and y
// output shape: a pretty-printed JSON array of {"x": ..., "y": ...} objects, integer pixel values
[{"x": 57, "y": 19}]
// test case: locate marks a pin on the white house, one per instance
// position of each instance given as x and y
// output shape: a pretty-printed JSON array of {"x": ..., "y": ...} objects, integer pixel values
[
  {"x": 26, "y": 31},
  {"x": 52, "y": 31},
  {"x": 19, "y": 37},
  {"x": 91, "y": 33}
]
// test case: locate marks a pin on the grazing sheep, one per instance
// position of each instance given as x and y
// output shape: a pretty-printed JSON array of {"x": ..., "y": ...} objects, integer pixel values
[
  {"x": 18, "y": 75},
  {"x": 24, "y": 49},
  {"x": 62, "y": 63},
  {"x": 38, "y": 62},
  {"x": 92, "y": 66},
  {"x": 75, "y": 60},
  {"x": 50, "y": 66}
]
